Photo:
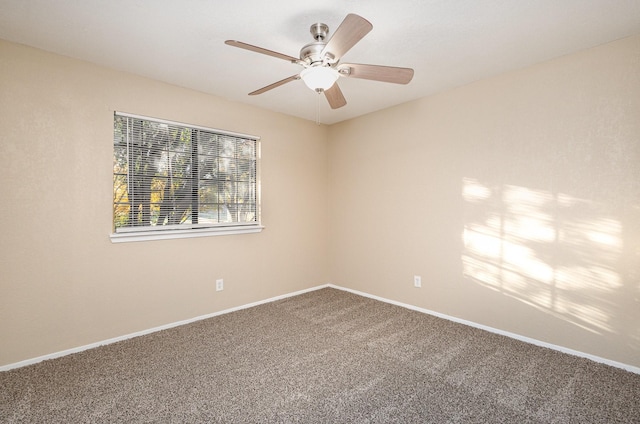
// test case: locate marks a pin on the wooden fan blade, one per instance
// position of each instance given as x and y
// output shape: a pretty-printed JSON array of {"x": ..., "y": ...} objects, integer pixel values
[
  {"x": 335, "y": 97},
  {"x": 350, "y": 31},
  {"x": 275, "y": 84},
  {"x": 256, "y": 49},
  {"x": 377, "y": 73}
]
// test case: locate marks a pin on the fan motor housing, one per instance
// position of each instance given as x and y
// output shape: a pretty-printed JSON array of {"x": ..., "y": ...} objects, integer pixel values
[{"x": 312, "y": 52}]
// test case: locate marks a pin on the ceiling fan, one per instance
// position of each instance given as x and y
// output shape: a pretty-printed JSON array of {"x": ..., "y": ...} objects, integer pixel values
[{"x": 321, "y": 61}]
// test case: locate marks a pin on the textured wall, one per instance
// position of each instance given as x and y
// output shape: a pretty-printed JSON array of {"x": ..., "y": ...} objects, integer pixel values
[
  {"x": 63, "y": 283},
  {"x": 516, "y": 198}
]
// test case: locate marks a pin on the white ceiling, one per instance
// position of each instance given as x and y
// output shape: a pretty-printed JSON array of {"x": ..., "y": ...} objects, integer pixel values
[{"x": 447, "y": 42}]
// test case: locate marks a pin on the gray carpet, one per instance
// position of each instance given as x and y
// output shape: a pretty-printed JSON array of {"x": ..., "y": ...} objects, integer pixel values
[{"x": 323, "y": 357}]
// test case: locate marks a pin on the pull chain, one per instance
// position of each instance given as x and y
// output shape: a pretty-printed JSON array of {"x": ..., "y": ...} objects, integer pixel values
[{"x": 319, "y": 91}]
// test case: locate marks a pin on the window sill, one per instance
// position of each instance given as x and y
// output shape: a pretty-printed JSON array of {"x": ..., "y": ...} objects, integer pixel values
[{"x": 179, "y": 234}]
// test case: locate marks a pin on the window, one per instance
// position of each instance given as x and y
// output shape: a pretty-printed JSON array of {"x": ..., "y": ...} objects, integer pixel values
[{"x": 177, "y": 180}]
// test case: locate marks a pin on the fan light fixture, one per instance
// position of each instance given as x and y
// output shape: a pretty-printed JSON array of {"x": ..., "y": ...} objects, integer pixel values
[{"x": 319, "y": 77}]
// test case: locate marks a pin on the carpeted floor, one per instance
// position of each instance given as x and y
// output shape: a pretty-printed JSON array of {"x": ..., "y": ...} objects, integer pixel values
[{"x": 322, "y": 357}]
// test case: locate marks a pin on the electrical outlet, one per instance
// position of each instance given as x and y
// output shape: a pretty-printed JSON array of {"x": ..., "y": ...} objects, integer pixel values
[
  {"x": 219, "y": 284},
  {"x": 417, "y": 281}
]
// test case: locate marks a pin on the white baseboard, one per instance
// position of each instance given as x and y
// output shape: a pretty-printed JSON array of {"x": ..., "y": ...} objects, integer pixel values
[
  {"x": 529, "y": 340},
  {"x": 562, "y": 349},
  {"x": 150, "y": 330}
]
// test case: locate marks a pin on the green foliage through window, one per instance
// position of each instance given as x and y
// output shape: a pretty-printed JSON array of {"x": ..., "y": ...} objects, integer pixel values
[{"x": 169, "y": 174}]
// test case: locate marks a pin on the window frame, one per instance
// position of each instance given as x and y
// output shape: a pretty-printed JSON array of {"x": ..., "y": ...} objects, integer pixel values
[{"x": 149, "y": 233}]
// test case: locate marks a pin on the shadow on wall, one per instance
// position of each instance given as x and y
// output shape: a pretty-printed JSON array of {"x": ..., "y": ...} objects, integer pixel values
[{"x": 560, "y": 254}]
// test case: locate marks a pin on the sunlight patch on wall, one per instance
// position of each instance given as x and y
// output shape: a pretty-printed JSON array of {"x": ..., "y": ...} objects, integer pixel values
[{"x": 552, "y": 251}]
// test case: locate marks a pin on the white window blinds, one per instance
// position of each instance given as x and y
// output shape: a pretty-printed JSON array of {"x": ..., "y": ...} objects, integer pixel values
[{"x": 169, "y": 175}]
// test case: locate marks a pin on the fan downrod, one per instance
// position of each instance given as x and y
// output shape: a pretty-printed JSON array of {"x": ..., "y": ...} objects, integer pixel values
[{"x": 319, "y": 31}]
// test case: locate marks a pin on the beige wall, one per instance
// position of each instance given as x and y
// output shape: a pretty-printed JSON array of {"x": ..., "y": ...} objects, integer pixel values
[
  {"x": 516, "y": 198},
  {"x": 63, "y": 283}
]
